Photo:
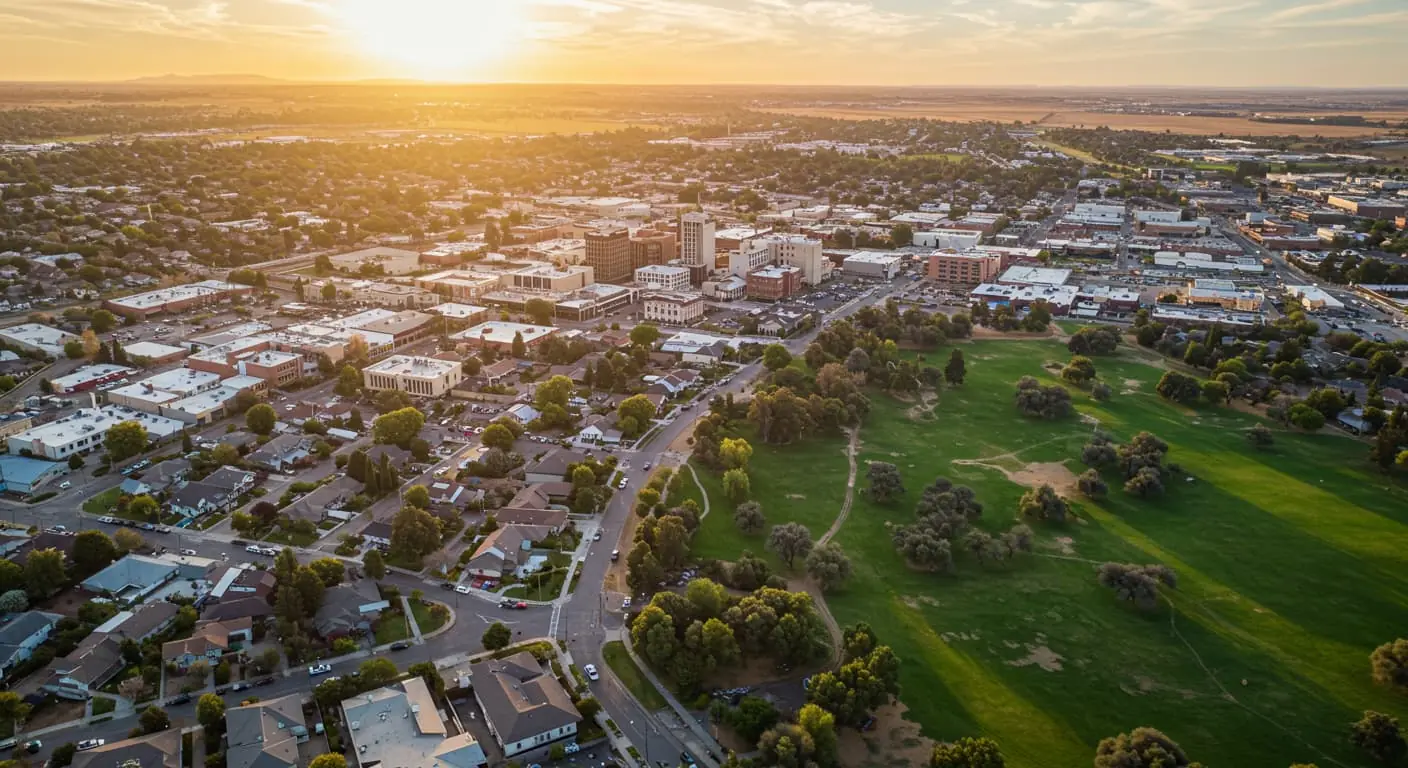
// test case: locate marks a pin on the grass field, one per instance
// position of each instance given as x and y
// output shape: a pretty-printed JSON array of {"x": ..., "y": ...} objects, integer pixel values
[
  {"x": 1290, "y": 564},
  {"x": 631, "y": 676}
]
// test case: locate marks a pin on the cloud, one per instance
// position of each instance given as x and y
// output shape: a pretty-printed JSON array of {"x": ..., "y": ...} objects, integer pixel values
[{"x": 1297, "y": 11}]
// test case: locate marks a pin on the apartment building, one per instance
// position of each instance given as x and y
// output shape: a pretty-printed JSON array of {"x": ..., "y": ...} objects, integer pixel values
[
  {"x": 651, "y": 246},
  {"x": 609, "y": 254},
  {"x": 673, "y": 308},
  {"x": 545, "y": 277},
  {"x": 277, "y": 368},
  {"x": 774, "y": 283},
  {"x": 803, "y": 253},
  {"x": 663, "y": 278},
  {"x": 421, "y": 376},
  {"x": 964, "y": 269},
  {"x": 751, "y": 257},
  {"x": 697, "y": 240},
  {"x": 461, "y": 285}
]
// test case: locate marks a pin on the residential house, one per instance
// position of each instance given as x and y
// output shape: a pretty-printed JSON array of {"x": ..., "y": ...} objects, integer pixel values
[
  {"x": 501, "y": 372},
  {"x": 265, "y": 734},
  {"x": 238, "y": 608},
  {"x": 524, "y": 707},
  {"x": 326, "y": 501},
  {"x": 137, "y": 625},
  {"x": 166, "y": 475},
  {"x": 399, "y": 725},
  {"x": 530, "y": 497},
  {"x": 210, "y": 641},
  {"x": 552, "y": 519},
  {"x": 505, "y": 550},
  {"x": 96, "y": 659},
  {"x": 132, "y": 487},
  {"x": 198, "y": 498},
  {"x": 157, "y": 750},
  {"x": 552, "y": 467},
  {"x": 398, "y": 457},
  {"x": 284, "y": 453},
  {"x": 21, "y": 635},
  {"x": 349, "y": 609},
  {"x": 523, "y": 413},
  {"x": 236, "y": 482},
  {"x": 132, "y": 578},
  {"x": 597, "y": 429},
  {"x": 43, "y": 540},
  {"x": 378, "y": 533}
]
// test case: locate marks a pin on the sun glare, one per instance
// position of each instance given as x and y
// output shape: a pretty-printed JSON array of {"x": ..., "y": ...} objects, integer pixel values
[{"x": 435, "y": 39}]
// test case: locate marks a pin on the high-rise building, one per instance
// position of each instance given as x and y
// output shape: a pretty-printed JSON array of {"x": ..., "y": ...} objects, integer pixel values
[
  {"x": 801, "y": 252},
  {"x": 651, "y": 246},
  {"x": 697, "y": 240},
  {"x": 609, "y": 254}
]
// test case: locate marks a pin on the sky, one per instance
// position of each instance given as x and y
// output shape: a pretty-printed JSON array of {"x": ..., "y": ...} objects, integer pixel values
[{"x": 1338, "y": 43}]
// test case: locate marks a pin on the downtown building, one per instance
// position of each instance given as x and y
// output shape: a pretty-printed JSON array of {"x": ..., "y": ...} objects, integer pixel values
[{"x": 609, "y": 254}]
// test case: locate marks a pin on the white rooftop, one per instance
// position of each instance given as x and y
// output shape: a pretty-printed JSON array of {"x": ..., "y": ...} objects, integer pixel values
[
  {"x": 152, "y": 350},
  {"x": 502, "y": 332},
  {"x": 457, "y": 311},
  {"x": 1035, "y": 276},
  {"x": 89, "y": 373},
  {"x": 43, "y": 337},
  {"x": 407, "y": 365},
  {"x": 91, "y": 421},
  {"x": 182, "y": 381}
]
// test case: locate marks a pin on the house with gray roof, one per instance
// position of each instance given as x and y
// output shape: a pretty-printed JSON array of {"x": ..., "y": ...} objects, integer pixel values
[
  {"x": 524, "y": 707},
  {"x": 400, "y": 725},
  {"x": 552, "y": 467},
  {"x": 158, "y": 750},
  {"x": 132, "y": 578},
  {"x": 349, "y": 609},
  {"x": 96, "y": 659},
  {"x": 265, "y": 734},
  {"x": 198, "y": 498},
  {"x": 21, "y": 635},
  {"x": 283, "y": 453}
]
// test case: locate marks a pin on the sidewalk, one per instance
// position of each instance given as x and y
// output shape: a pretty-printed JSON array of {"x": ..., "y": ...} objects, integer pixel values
[{"x": 703, "y": 744}]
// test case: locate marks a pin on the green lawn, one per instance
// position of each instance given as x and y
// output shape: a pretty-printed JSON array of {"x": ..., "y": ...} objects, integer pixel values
[
  {"x": 391, "y": 627},
  {"x": 103, "y": 705},
  {"x": 103, "y": 503},
  {"x": 1290, "y": 564},
  {"x": 281, "y": 536},
  {"x": 630, "y": 675},
  {"x": 427, "y": 621}
]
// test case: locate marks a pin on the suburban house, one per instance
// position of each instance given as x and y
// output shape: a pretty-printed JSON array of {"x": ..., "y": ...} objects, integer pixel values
[
  {"x": 131, "y": 487},
  {"x": 198, "y": 498},
  {"x": 21, "y": 635},
  {"x": 147, "y": 621},
  {"x": 210, "y": 641},
  {"x": 378, "y": 533},
  {"x": 284, "y": 453},
  {"x": 63, "y": 542},
  {"x": 530, "y": 497},
  {"x": 552, "y": 519},
  {"x": 236, "y": 482},
  {"x": 166, "y": 475},
  {"x": 400, "y": 725},
  {"x": 597, "y": 429},
  {"x": 349, "y": 609},
  {"x": 447, "y": 493},
  {"x": 552, "y": 467},
  {"x": 326, "y": 501},
  {"x": 242, "y": 580},
  {"x": 265, "y": 734},
  {"x": 158, "y": 750},
  {"x": 524, "y": 707},
  {"x": 238, "y": 608},
  {"x": 397, "y": 457},
  {"x": 522, "y": 413},
  {"x": 505, "y": 550},
  {"x": 132, "y": 578},
  {"x": 96, "y": 659}
]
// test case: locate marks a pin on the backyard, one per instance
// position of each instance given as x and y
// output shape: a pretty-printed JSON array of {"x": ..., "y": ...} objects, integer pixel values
[{"x": 1289, "y": 564}]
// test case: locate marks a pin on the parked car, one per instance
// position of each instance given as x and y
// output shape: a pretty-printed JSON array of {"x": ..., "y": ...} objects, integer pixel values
[
  {"x": 184, "y": 698},
  {"x": 462, "y": 589},
  {"x": 597, "y": 536},
  {"x": 400, "y": 645},
  {"x": 189, "y": 552},
  {"x": 33, "y": 746},
  {"x": 626, "y": 602},
  {"x": 590, "y": 669},
  {"x": 319, "y": 669},
  {"x": 65, "y": 485}
]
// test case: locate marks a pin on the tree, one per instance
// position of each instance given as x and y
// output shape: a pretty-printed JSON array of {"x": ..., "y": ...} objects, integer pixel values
[
  {"x": 498, "y": 436},
  {"x": 145, "y": 507},
  {"x": 968, "y": 752},
  {"x": 1043, "y": 503},
  {"x": 102, "y": 321},
  {"x": 1179, "y": 388},
  {"x": 44, "y": 572},
  {"x": 885, "y": 481},
  {"x": 829, "y": 565},
  {"x": 1138, "y": 584},
  {"x": 857, "y": 361},
  {"x": 414, "y": 533},
  {"x": 1079, "y": 371},
  {"x": 89, "y": 342},
  {"x": 349, "y": 382},
  {"x": 1306, "y": 417},
  {"x": 735, "y": 453},
  {"x": 14, "y": 601},
  {"x": 643, "y": 571},
  {"x": 671, "y": 545},
  {"x": 634, "y": 415},
  {"x": 497, "y": 636},
  {"x": 329, "y": 570},
  {"x": 1144, "y": 483},
  {"x": 541, "y": 310},
  {"x": 518, "y": 348},
  {"x": 737, "y": 485},
  {"x": 1216, "y": 392},
  {"x": 210, "y": 710},
  {"x": 226, "y": 455},
  {"x": 93, "y": 551},
  {"x": 1379, "y": 735},
  {"x": 125, "y": 440},
  {"x": 1389, "y": 662},
  {"x": 62, "y": 756},
  {"x": 645, "y": 335},
  {"x": 776, "y": 357},
  {"x": 1101, "y": 391},
  {"x": 748, "y": 516},
  {"x": 1384, "y": 363},
  {"x": 1141, "y": 748},
  {"x": 416, "y": 496},
  {"x": 1094, "y": 340},
  {"x": 1045, "y": 402},
  {"x": 329, "y": 760},
  {"x": 1092, "y": 484},
  {"x": 73, "y": 349},
  {"x": 1260, "y": 436},
  {"x": 790, "y": 541},
  {"x": 260, "y": 419},
  {"x": 956, "y": 369},
  {"x": 154, "y": 719},
  {"x": 374, "y": 564}
]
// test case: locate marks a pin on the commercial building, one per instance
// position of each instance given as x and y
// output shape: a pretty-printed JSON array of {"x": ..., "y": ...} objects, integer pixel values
[
  {"x": 1314, "y": 298},
  {"x": 399, "y": 726},
  {"x": 609, "y": 254},
  {"x": 545, "y": 277},
  {"x": 393, "y": 295},
  {"x": 460, "y": 285},
  {"x": 405, "y": 328},
  {"x": 1206, "y": 262},
  {"x": 803, "y": 253},
  {"x": 947, "y": 239},
  {"x": 697, "y": 240},
  {"x": 774, "y": 283},
  {"x": 84, "y": 430},
  {"x": 90, "y": 377},
  {"x": 23, "y": 476},
  {"x": 726, "y": 288},
  {"x": 1222, "y": 293},
  {"x": 524, "y": 707},
  {"x": 42, "y": 338},
  {"x": 734, "y": 238},
  {"x": 500, "y": 334},
  {"x": 651, "y": 246},
  {"x": 152, "y": 353},
  {"x": 422, "y": 376},
  {"x": 177, "y": 299},
  {"x": 663, "y": 278},
  {"x": 1034, "y": 276},
  {"x": 1368, "y": 207},
  {"x": 751, "y": 257},
  {"x": 964, "y": 269},
  {"x": 275, "y": 367},
  {"x": 379, "y": 260},
  {"x": 881, "y": 265},
  {"x": 458, "y": 316},
  {"x": 1058, "y": 298},
  {"x": 673, "y": 308}
]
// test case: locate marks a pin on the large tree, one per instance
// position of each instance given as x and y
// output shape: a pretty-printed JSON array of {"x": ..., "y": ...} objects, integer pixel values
[
  {"x": 93, "y": 550},
  {"x": 968, "y": 752},
  {"x": 260, "y": 419},
  {"x": 398, "y": 427},
  {"x": 497, "y": 636},
  {"x": 44, "y": 572},
  {"x": 414, "y": 533},
  {"x": 125, "y": 440},
  {"x": 210, "y": 710},
  {"x": 1141, "y": 748},
  {"x": 828, "y": 565},
  {"x": 956, "y": 369},
  {"x": 1379, "y": 735},
  {"x": 790, "y": 541},
  {"x": 1390, "y": 664},
  {"x": 749, "y": 518},
  {"x": 885, "y": 481},
  {"x": 633, "y": 415}
]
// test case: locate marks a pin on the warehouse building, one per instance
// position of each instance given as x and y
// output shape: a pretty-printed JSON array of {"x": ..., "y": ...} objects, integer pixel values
[
  {"x": 42, "y": 338},
  {"x": 84, "y": 430}
]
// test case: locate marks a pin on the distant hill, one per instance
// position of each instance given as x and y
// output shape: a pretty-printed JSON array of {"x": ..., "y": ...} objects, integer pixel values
[{"x": 208, "y": 80}]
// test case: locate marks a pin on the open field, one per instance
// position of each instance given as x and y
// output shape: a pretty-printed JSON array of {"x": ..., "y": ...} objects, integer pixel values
[{"x": 1290, "y": 564}]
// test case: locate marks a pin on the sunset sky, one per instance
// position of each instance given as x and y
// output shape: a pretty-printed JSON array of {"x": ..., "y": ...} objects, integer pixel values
[{"x": 901, "y": 42}]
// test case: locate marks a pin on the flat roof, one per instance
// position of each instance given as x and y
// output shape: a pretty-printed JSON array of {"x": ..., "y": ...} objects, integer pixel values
[
  {"x": 664, "y": 269},
  {"x": 874, "y": 258},
  {"x": 674, "y": 297},
  {"x": 182, "y": 381},
  {"x": 775, "y": 271},
  {"x": 457, "y": 311},
  {"x": 37, "y": 335},
  {"x": 176, "y": 293},
  {"x": 90, "y": 373},
  {"x": 145, "y": 393},
  {"x": 1035, "y": 276},
  {"x": 269, "y": 358},
  {"x": 502, "y": 332},
  {"x": 88, "y": 421},
  {"x": 204, "y": 402},
  {"x": 152, "y": 350},
  {"x": 409, "y": 365},
  {"x": 229, "y": 333}
]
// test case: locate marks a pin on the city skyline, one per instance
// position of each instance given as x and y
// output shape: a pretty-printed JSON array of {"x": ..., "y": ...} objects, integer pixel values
[{"x": 804, "y": 42}]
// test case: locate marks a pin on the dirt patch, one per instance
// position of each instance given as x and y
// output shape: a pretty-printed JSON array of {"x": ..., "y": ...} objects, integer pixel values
[
  {"x": 61, "y": 711},
  {"x": 893, "y": 743},
  {"x": 983, "y": 332},
  {"x": 1054, "y": 473},
  {"x": 1086, "y": 418},
  {"x": 1132, "y": 385},
  {"x": 1042, "y": 657},
  {"x": 796, "y": 497},
  {"x": 753, "y": 673},
  {"x": 924, "y": 411},
  {"x": 1063, "y": 544}
]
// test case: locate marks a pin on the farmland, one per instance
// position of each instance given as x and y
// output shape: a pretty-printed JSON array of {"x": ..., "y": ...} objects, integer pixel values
[{"x": 1289, "y": 561}]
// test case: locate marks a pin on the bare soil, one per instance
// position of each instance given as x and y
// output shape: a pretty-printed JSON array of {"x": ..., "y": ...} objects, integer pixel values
[
  {"x": 893, "y": 743},
  {"x": 1055, "y": 474},
  {"x": 1042, "y": 657}
]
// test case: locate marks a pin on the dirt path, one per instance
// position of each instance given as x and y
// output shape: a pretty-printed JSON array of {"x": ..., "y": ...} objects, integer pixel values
[
  {"x": 852, "y": 448},
  {"x": 703, "y": 494}
]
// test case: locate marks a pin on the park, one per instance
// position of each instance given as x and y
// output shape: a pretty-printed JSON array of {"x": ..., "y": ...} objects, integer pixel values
[{"x": 1289, "y": 560}]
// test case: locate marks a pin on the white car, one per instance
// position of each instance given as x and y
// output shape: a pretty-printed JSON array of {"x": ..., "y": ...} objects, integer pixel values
[
  {"x": 91, "y": 744},
  {"x": 189, "y": 552},
  {"x": 65, "y": 485},
  {"x": 626, "y": 602},
  {"x": 462, "y": 589},
  {"x": 623, "y": 483},
  {"x": 319, "y": 669},
  {"x": 590, "y": 669},
  {"x": 254, "y": 549}
]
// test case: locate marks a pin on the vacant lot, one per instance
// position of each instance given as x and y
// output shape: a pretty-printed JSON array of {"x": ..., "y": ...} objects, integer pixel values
[{"x": 1290, "y": 564}]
